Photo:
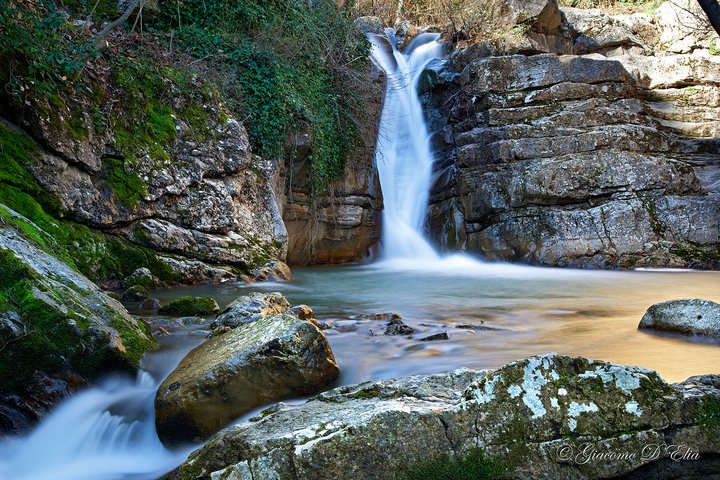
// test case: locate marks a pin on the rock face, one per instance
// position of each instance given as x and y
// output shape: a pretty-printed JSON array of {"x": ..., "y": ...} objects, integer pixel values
[
  {"x": 170, "y": 169},
  {"x": 692, "y": 317},
  {"x": 57, "y": 331},
  {"x": 273, "y": 358},
  {"x": 587, "y": 146},
  {"x": 342, "y": 224},
  {"x": 534, "y": 416}
]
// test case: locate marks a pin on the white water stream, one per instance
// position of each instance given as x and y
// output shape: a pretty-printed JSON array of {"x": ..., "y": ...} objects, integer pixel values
[
  {"x": 104, "y": 433},
  {"x": 403, "y": 153}
]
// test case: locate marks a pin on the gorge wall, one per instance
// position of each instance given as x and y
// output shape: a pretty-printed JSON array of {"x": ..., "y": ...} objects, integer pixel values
[{"x": 582, "y": 139}]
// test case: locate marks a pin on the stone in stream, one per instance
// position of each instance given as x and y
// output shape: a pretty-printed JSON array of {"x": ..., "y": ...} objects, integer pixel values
[
  {"x": 136, "y": 293},
  {"x": 275, "y": 271},
  {"x": 533, "y": 416},
  {"x": 188, "y": 306},
  {"x": 398, "y": 327},
  {"x": 250, "y": 308},
  {"x": 435, "y": 336},
  {"x": 55, "y": 324},
  {"x": 150, "y": 304},
  {"x": 271, "y": 359},
  {"x": 690, "y": 317},
  {"x": 384, "y": 316}
]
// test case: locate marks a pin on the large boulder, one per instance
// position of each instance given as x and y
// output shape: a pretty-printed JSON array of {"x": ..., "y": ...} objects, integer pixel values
[
  {"x": 690, "y": 317},
  {"x": 58, "y": 330},
  {"x": 534, "y": 417},
  {"x": 274, "y": 358}
]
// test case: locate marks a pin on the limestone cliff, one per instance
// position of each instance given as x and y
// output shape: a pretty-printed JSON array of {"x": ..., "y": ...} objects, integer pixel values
[
  {"x": 583, "y": 139},
  {"x": 152, "y": 156}
]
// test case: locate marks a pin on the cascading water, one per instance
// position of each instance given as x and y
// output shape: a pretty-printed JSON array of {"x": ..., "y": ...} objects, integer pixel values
[
  {"x": 104, "y": 433},
  {"x": 403, "y": 153}
]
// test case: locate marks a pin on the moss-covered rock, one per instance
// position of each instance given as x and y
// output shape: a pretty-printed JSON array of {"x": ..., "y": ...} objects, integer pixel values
[
  {"x": 189, "y": 306},
  {"x": 58, "y": 320}
]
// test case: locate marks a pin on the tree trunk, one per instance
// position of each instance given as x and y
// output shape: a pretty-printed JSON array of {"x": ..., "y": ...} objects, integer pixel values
[
  {"x": 712, "y": 10},
  {"x": 110, "y": 26}
]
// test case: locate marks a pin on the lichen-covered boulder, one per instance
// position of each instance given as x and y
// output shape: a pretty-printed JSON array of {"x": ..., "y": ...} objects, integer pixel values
[
  {"x": 271, "y": 359},
  {"x": 55, "y": 324},
  {"x": 189, "y": 306},
  {"x": 533, "y": 416},
  {"x": 690, "y": 317}
]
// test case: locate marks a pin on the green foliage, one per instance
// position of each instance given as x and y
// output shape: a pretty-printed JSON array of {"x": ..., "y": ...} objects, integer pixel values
[
  {"x": 295, "y": 67},
  {"x": 36, "y": 51},
  {"x": 474, "y": 465},
  {"x": 188, "y": 306}
]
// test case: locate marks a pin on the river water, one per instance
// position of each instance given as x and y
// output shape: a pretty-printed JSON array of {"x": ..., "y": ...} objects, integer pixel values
[{"x": 521, "y": 310}]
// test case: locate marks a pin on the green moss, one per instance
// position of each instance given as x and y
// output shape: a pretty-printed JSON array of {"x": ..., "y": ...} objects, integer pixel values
[
  {"x": 188, "y": 306},
  {"x": 693, "y": 253},
  {"x": 128, "y": 187},
  {"x": 135, "y": 346},
  {"x": 474, "y": 465},
  {"x": 709, "y": 417},
  {"x": 657, "y": 225}
]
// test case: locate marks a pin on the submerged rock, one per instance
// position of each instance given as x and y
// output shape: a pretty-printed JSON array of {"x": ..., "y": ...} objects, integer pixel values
[
  {"x": 691, "y": 317},
  {"x": 533, "y": 416},
  {"x": 55, "y": 323},
  {"x": 189, "y": 306},
  {"x": 273, "y": 358}
]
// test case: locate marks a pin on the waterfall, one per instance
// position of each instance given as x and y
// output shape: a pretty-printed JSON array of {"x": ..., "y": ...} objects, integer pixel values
[
  {"x": 403, "y": 154},
  {"x": 104, "y": 433}
]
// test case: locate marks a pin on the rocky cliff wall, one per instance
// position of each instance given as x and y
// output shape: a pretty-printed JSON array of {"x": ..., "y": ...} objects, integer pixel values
[
  {"x": 342, "y": 223},
  {"x": 585, "y": 139},
  {"x": 153, "y": 158}
]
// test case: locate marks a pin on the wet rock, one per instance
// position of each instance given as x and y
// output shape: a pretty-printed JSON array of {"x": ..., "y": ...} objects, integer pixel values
[
  {"x": 435, "y": 337},
  {"x": 135, "y": 293},
  {"x": 190, "y": 306},
  {"x": 398, "y": 327},
  {"x": 385, "y": 317},
  {"x": 83, "y": 333},
  {"x": 150, "y": 304},
  {"x": 526, "y": 415},
  {"x": 275, "y": 271},
  {"x": 251, "y": 308},
  {"x": 474, "y": 326},
  {"x": 141, "y": 277},
  {"x": 264, "y": 361},
  {"x": 689, "y": 317}
]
